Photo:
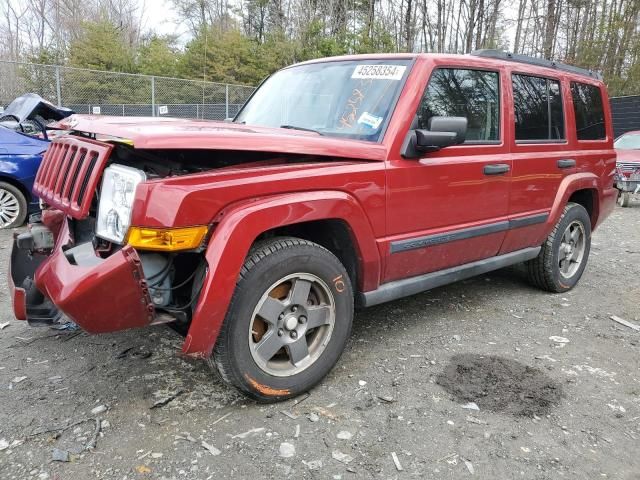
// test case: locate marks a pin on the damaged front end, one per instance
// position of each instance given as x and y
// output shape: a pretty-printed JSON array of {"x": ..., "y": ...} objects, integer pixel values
[
  {"x": 77, "y": 261},
  {"x": 100, "y": 295}
]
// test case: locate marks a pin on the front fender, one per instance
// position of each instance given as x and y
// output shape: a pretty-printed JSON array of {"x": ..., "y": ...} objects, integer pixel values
[{"x": 237, "y": 228}]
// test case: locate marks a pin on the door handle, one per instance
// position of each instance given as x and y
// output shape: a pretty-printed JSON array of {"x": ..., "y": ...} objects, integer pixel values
[
  {"x": 496, "y": 169},
  {"x": 566, "y": 163}
]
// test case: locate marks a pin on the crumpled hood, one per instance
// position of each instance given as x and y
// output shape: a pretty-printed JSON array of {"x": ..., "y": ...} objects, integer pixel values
[
  {"x": 29, "y": 105},
  {"x": 177, "y": 133}
]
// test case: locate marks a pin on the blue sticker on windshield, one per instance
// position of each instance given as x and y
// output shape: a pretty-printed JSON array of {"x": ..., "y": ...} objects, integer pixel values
[{"x": 370, "y": 120}]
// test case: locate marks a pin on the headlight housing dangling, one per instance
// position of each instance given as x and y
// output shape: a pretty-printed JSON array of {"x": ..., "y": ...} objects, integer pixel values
[{"x": 116, "y": 201}]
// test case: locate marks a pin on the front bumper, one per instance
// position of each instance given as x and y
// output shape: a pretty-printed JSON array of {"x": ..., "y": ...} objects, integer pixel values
[
  {"x": 625, "y": 185},
  {"x": 101, "y": 295}
]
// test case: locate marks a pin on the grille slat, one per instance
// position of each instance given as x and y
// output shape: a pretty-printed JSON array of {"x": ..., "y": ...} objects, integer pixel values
[{"x": 69, "y": 173}]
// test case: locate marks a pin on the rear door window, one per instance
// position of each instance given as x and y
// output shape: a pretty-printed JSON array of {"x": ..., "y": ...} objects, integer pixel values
[
  {"x": 456, "y": 92},
  {"x": 587, "y": 105},
  {"x": 537, "y": 103}
]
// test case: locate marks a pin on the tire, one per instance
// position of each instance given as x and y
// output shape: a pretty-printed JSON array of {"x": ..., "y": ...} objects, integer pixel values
[
  {"x": 13, "y": 206},
  {"x": 278, "y": 277},
  {"x": 624, "y": 199},
  {"x": 550, "y": 270}
]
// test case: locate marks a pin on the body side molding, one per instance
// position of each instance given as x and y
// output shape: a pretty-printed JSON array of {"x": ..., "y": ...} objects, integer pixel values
[{"x": 466, "y": 233}]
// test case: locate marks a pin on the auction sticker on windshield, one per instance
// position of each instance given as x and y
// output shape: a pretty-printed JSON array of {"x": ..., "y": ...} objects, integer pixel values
[{"x": 379, "y": 72}]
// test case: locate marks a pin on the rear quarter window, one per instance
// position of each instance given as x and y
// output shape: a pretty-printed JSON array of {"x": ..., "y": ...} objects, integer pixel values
[
  {"x": 589, "y": 111},
  {"x": 537, "y": 103}
]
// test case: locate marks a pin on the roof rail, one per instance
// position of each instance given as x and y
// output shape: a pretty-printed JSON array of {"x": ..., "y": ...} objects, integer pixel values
[{"x": 541, "y": 62}]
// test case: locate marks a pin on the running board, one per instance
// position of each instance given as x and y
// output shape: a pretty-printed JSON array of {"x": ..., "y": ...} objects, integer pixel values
[{"x": 410, "y": 286}]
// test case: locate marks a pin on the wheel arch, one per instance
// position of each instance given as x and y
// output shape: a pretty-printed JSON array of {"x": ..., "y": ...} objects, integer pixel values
[
  {"x": 334, "y": 234},
  {"x": 588, "y": 198},
  {"x": 315, "y": 216},
  {"x": 581, "y": 188},
  {"x": 19, "y": 185}
]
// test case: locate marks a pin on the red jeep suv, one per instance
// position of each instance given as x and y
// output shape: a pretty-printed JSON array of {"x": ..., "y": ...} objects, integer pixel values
[{"x": 343, "y": 181}]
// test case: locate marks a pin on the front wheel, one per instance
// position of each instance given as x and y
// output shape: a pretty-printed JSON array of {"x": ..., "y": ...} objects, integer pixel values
[
  {"x": 288, "y": 320},
  {"x": 564, "y": 254}
]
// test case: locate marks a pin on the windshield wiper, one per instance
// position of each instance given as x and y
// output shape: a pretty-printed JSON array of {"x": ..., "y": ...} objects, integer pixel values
[{"x": 293, "y": 127}]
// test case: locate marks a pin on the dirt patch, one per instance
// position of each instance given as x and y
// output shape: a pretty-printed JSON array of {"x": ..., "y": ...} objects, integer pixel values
[{"x": 500, "y": 385}]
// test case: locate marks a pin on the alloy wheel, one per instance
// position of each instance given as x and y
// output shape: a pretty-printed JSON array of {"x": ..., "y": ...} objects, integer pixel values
[
  {"x": 9, "y": 208},
  {"x": 572, "y": 248},
  {"x": 292, "y": 324}
]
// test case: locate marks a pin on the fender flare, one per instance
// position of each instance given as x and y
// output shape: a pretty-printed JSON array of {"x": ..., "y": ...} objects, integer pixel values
[
  {"x": 568, "y": 186},
  {"x": 237, "y": 228}
]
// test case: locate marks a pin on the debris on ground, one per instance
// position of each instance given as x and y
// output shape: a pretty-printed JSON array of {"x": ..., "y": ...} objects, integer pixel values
[
  {"x": 58, "y": 455},
  {"x": 210, "y": 448},
  {"x": 4, "y": 325},
  {"x": 313, "y": 417},
  {"x": 253, "y": 431},
  {"x": 169, "y": 397},
  {"x": 287, "y": 450},
  {"x": 386, "y": 398},
  {"x": 287, "y": 413},
  {"x": 344, "y": 435},
  {"x": 341, "y": 457},
  {"x": 472, "y": 419},
  {"x": 469, "y": 466},
  {"x": 143, "y": 469},
  {"x": 624, "y": 322},
  {"x": 18, "y": 379},
  {"x": 471, "y": 406},
  {"x": 98, "y": 410},
  {"x": 221, "y": 418},
  {"x": 91, "y": 444},
  {"x": 313, "y": 464},
  {"x": 561, "y": 341},
  {"x": 396, "y": 460},
  {"x": 69, "y": 326}
]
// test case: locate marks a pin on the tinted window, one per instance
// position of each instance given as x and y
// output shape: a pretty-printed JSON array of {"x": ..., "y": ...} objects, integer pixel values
[
  {"x": 538, "y": 108},
  {"x": 464, "y": 93},
  {"x": 587, "y": 104}
]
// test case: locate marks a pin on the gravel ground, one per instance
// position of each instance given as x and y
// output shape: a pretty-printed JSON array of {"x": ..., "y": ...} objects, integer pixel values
[{"x": 488, "y": 378}]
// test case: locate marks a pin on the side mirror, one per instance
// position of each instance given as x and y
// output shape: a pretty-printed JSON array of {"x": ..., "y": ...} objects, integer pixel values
[{"x": 442, "y": 132}]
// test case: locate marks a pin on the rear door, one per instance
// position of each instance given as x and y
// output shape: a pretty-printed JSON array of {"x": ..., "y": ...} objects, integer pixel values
[
  {"x": 542, "y": 155},
  {"x": 450, "y": 207}
]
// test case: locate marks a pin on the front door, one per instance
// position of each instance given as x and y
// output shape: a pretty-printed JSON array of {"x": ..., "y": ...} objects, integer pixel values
[{"x": 450, "y": 207}]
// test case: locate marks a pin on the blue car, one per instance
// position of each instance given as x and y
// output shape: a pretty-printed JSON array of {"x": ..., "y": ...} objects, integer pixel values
[{"x": 23, "y": 140}]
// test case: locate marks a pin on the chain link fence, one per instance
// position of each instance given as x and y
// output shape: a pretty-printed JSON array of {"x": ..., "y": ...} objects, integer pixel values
[{"x": 125, "y": 94}]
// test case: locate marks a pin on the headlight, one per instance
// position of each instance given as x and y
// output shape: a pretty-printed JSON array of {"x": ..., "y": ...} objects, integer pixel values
[{"x": 116, "y": 201}]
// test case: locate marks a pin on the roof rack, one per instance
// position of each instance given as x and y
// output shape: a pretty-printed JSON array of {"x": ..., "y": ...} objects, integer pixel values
[{"x": 541, "y": 62}]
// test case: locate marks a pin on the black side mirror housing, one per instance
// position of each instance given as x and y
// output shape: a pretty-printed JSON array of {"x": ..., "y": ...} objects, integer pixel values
[{"x": 443, "y": 132}]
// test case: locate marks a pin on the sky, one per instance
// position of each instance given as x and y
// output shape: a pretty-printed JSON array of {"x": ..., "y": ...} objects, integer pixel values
[{"x": 161, "y": 18}]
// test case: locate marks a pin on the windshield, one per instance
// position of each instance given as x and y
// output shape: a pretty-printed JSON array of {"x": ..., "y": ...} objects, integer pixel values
[
  {"x": 352, "y": 99},
  {"x": 630, "y": 141}
]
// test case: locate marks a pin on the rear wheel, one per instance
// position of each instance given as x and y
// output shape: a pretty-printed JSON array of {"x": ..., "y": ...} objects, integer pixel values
[
  {"x": 13, "y": 206},
  {"x": 624, "y": 199},
  {"x": 288, "y": 321},
  {"x": 564, "y": 254}
]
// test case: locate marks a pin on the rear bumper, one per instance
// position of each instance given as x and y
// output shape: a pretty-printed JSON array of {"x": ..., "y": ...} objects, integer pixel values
[{"x": 104, "y": 296}]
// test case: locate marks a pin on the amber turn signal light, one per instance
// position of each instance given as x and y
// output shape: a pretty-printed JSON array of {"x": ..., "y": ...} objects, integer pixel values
[{"x": 166, "y": 239}]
